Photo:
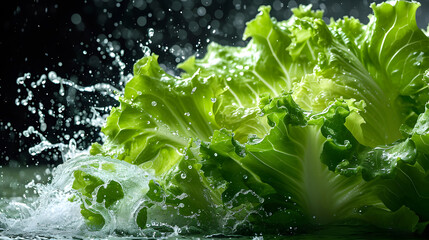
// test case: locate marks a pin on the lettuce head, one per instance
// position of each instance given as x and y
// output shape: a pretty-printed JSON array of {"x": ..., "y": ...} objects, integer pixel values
[{"x": 309, "y": 124}]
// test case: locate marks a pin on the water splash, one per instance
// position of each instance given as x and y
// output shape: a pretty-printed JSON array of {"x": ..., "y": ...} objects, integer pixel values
[
  {"x": 104, "y": 89},
  {"x": 92, "y": 117},
  {"x": 55, "y": 212},
  {"x": 44, "y": 143}
]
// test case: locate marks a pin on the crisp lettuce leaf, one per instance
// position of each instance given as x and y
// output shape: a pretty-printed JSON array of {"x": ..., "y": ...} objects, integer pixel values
[
  {"x": 382, "y": 63},
  {"x": 278, "y": 55},
  {"x": 398, "y": 170},
  {"x": 291, "y": 159},
  {"x": 420, "y": 132},
  {"x": 160, "y": 113}
]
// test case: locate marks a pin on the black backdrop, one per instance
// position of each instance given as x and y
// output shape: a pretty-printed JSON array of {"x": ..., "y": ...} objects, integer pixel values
[{"x": 41, "y": 36}]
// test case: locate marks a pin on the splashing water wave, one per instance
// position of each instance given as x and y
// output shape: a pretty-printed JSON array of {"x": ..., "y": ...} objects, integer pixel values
[{"x": 55, "y": 213}]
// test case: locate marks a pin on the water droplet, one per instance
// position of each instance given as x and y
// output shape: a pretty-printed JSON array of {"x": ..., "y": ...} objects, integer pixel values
[
  {"x": 29, "y": 131},
  {"x": 43, "y": 127},
  {"x": 61, "y": 91},
  {"x": 72, "y": 144},
  {"x": 150, "y": 32},
  {"x": 154, "y": 103},
  {"x": 146, "y": 50},
  {"x": 52, "y": 76}
]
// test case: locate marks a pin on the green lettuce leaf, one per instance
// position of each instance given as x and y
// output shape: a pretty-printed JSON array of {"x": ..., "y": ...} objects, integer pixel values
[
  {"x": 382, "y": 64},
  {"x": 399, "y": 171},
  {"x": 291, "y": 159}
]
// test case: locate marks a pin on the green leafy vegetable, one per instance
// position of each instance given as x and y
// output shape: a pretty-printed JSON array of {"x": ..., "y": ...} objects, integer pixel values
[{"x": 309, "y": 124}]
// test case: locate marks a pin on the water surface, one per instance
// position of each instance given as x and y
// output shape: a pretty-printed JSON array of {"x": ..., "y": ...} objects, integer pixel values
[{"x": 18, "y": 200}]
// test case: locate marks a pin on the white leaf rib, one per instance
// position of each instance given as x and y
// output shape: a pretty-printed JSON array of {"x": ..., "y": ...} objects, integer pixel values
[
  {"x": 385, "y": 36},
  {"x": 269, "y": 166},
  {"x": 414, "y": 186},
  {"x": 253, "y": 91},
  {"x": 265, "y": 82},
  {"x": 277, "y": 58},
  {"x": 235, "y": 96},
  {"x": 284, "y": 153}
]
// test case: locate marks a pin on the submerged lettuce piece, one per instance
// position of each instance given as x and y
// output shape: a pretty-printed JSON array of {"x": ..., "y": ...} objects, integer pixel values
[
  {"x": 111, "y": 192},
  {"x": 309, "y": 124}
]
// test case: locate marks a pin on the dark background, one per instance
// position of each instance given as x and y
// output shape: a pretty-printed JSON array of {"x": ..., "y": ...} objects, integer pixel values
[{"x": 66, "y": 37}]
